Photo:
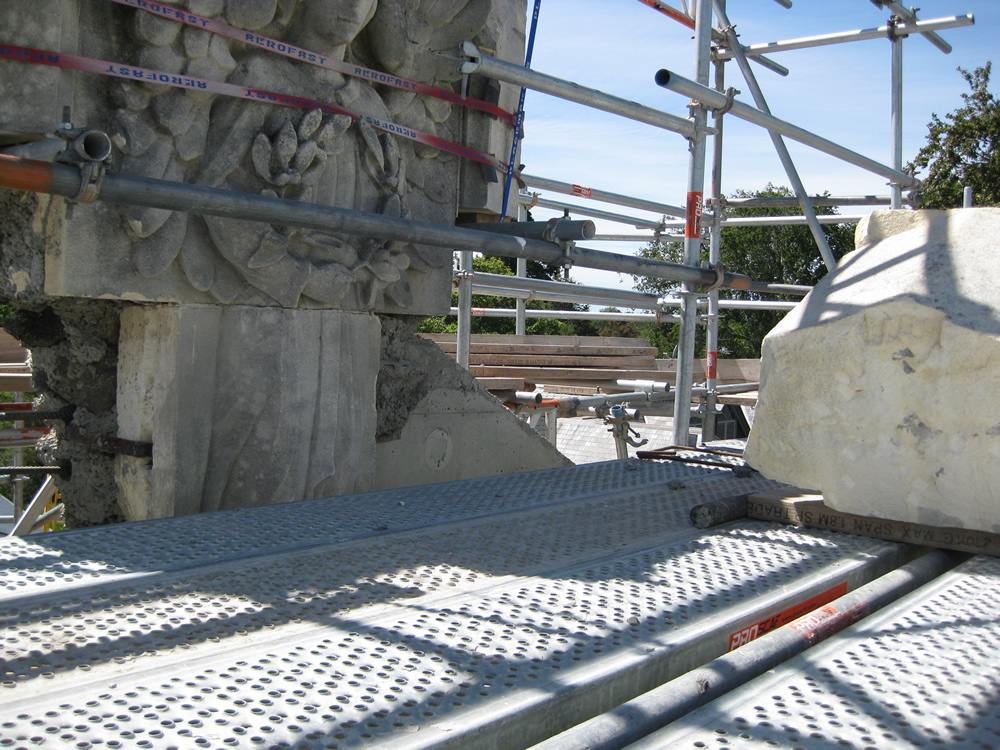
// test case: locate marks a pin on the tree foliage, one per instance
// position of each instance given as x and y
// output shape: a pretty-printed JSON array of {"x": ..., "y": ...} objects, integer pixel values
[
  {"x": 782, "y": 254},
  {"x": 961, "y": 150}
]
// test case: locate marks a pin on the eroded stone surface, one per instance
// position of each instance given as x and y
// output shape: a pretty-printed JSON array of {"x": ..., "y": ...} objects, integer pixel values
[
  {"x": 248, "y": 145},
  {"x": 231, "y": 385},
  {"x": 190, "y": 381},
  {"x": 879, "y": 390}
]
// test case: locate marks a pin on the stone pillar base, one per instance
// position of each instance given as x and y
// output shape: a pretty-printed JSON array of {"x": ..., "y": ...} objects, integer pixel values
[{"x": 245, "y": 406}]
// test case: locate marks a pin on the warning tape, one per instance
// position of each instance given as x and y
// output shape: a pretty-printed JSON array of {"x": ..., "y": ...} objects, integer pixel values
[
  {"x": 304, "y": 55},
  {"x": 132, "y": 73}
]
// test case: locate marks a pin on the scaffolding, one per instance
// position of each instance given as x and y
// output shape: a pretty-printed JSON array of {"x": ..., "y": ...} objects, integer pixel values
[
  {"x": 702, "y": 219},
  {"x": 713, "y": 45}
]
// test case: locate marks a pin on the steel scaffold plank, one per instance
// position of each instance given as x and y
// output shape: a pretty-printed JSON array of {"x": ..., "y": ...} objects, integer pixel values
[
  {"x": 923, "y": 672},
  {"x": 514, "y": 621}
]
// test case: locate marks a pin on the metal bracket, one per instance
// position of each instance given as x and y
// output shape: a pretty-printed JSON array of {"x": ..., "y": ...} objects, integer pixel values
[
  {"x": 890, "y": 28},
  {"x": 473, "y": 57},
  {"x": 89, "y": 148},
  {"x": 110, "y": 443},
  {"x": 718, "y": 111},
  {"x": 91, "y": 179},
  {"x": 730, "y": 100},
  {"x": 720, "y": 277},
  {"x": 566, "y": 261}
]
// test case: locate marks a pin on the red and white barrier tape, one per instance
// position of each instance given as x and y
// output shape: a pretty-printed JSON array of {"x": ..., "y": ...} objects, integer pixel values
[
  {"x": 314, "y": 58},
  {"x": 133, "y": 73}
]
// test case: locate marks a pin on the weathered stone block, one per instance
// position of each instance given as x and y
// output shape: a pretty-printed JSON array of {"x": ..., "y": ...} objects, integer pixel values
[
  {"x": 879, "y": 389},
  {"x": 244, "y": 406},
  {"x": 453, "y": 435}
]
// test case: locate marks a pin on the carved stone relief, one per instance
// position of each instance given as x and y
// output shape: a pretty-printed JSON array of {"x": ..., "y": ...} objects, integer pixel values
[{"x": 248, "y": 145}]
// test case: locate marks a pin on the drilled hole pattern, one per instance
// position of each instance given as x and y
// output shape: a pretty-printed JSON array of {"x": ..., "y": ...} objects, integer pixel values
[
  {"x": 125, "y": 619},
  {"x": 89, "y": 555},
  {"x": 924, "y": 673},
  {"x": 477, "y": 614}
]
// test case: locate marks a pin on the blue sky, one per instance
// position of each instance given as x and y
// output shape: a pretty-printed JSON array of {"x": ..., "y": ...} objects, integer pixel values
[{"x": 840, "y": 92}]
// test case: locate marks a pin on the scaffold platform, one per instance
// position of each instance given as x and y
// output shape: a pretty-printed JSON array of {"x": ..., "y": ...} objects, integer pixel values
[
  {"x": 924, "y": 672},
  {"x": 492, "y": 613}
]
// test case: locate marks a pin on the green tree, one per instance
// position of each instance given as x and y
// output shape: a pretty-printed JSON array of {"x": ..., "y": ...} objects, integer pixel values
[
  {"x": 961, "y": 150},
  {"x": 782, "y": 254},
  {"x": 616, "y": 328}
]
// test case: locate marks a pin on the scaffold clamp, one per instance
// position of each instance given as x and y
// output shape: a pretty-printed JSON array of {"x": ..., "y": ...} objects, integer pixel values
[
  {"x": 91, "y": 179},
  {"x": 720, "y": 277}
]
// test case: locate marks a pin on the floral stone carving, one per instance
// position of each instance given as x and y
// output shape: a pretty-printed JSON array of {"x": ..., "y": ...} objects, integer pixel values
[{"x": 246, "y": 145}]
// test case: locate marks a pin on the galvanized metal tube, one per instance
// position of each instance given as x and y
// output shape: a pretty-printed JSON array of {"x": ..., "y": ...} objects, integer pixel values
[
  {"x": 558, "y": 296},
  {"x": 555, "y": 291},
  {"x": 714, "y": 258},
  {"x": 779, "y": 144},
  {"x": 508, "y": 312},
  {"x": 896, "y": 117},
  {"x": 555, "y": 230},
  {"x": 519, "y": 118},
  {"x": 567, "y": 188},
  {"x": 63, "y": 470},
  {"x": 692, "y": 234},
  {"x": 859, "y": 35},
  {"x": 532, "y": 79},
  {"x": 645, "y": 386},
  {"x": 765, "y": 221},
  {"x": 771, "y": 65},
  {"x": 738, "y": 387},
  {"x": 658, "y": 236},
  {"x": 89, "y": 144},
  {"x": 520, "y": 321},
  {"x": 908, "y": 15},
  {"x": 17, "y": 495},
  {"x": 572, "y": 403},
  {"x": 967, "y": 197},
  {"x": 43, "y": 150},
  {"x": 715, "y": 100},
  {"x": 463, "y": 336},
  {"x": 753, "y": 304},
  {"x": 598, "y": 213},
  {"x": 639, "y": 719},
  {"x": 578, "y": 292},
  {"x": 816, "y": 200},
  {"x": 61, "y": 179},
  {"x": 795, "y": 289}
]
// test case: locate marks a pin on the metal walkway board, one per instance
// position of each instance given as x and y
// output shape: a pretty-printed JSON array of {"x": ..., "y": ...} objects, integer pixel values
[
  {"x": 923, "y": 672},
  {"x": 485, "y": 613}
]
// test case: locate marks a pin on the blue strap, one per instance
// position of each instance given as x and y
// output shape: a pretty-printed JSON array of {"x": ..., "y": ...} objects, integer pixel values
[{"x": 520, "y": 114}]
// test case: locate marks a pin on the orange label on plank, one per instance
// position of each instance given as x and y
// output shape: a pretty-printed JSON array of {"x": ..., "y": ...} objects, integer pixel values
[{"x": 743, "y": 637}]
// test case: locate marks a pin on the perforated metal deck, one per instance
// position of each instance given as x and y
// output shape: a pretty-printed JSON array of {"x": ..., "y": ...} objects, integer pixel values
[
  {"x": 486, "y": 613},
  {"x": 924, "y": 672}
]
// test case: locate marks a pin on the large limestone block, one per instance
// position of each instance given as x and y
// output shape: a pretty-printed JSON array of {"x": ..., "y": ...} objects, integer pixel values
[
  {"x": 880, "y": 388},
  {"x": 245, "y": 406}
]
